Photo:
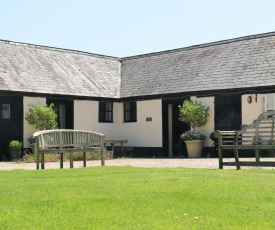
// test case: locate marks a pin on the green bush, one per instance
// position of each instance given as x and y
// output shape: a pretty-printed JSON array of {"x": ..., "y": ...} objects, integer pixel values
[
  {"x": 42, "y": 117},
  {"x": 15, "y": 145}
]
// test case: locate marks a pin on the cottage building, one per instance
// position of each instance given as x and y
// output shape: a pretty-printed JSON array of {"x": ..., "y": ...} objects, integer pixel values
[{"x": 136, "y": 98}]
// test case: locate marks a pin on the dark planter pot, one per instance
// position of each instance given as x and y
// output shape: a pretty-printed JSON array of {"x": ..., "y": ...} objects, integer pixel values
[{"x": 15, "y": 154}]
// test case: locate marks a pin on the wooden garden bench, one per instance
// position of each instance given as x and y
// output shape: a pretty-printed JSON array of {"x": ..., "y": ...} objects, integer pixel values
[
  {"x": 260, "y": 135},
  {"x": 66, "y": 140},
  {"x": 113, "y": 142}
]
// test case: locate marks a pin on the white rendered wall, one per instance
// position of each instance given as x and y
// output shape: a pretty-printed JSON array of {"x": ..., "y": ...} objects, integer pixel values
[
  {"x": 139, "y": 134},
  {"x": 86, "y": 118},
  {"x": 27, "y": 128},
  {"x": 251, "y": 111},
  {"x": 144, "y": 133},
  {"x": 209, "y": 127}
]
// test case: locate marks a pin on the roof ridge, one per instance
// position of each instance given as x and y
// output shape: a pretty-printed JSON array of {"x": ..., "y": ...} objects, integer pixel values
[
  {"x": 204, "y": 45},
  {"x": 57, "y": 49}
]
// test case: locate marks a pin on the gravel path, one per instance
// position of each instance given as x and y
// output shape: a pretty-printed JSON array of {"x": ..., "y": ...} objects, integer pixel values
[{"x": 209, "y": 163}]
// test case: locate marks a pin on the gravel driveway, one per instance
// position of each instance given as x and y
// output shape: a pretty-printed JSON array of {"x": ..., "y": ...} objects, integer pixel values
[
  {"x": 209, "y": 163},
  {"x": 135, "y": 162}
]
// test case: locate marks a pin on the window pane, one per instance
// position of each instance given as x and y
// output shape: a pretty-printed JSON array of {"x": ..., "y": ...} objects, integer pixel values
[
  {"x": 127, "y": 106},
  {"x": 108, "y": 116},
  {"x": 130, "y": 111},
  {"x": 101, "y": 106},
  {"x": 108, "y": 106},
  {"x": 133, "y": 106},
  {"x": 133, "y": 116},
  {"x": 5, "y": 111},
  {"x": 105, "y": 112},
  {"x": 127, "y": 116}
]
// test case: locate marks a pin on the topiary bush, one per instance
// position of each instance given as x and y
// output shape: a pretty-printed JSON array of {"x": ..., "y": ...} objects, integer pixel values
[
  {"x": 42, "y": 117},
  {"x": 15, "y": 145},
  {"x": 193, "y": 113}
]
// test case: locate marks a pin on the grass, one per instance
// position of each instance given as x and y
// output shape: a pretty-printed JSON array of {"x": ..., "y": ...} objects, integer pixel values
[{"x": 137, "y": 198}]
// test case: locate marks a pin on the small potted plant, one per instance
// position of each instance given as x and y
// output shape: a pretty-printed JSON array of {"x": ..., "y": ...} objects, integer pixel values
[
  {"x": 195, "y": 114},
  {"x": 31, "y": 140},
  {"x": 15, "y": 149},
  {"x": 193, "y": 135}
]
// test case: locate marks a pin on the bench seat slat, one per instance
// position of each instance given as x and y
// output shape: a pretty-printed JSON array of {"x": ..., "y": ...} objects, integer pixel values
[
  {"x": 251, "y": 163},
  {"x": 68, "y": 150}
]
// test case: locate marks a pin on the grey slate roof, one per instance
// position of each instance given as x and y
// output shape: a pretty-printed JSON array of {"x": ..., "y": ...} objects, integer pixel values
[
  {"x": 239, "y": 63},
  {"x": 230, "y": 64},
  {"x": 38, "y": 69}
]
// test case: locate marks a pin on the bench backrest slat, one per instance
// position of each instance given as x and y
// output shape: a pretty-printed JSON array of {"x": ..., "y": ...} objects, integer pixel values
[
  {"x": 261, "y": 131},
  {"x": 68, "y": 138}
]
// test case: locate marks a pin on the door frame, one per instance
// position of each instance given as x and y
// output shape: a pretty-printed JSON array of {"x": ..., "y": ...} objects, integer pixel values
[{"x": 173, "y": 128}]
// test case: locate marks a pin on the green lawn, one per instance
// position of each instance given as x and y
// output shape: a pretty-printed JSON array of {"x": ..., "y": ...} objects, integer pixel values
[{"x": 137, "y": 198}]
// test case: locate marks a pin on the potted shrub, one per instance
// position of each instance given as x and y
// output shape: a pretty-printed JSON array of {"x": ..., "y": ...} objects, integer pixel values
[
  {"x": 15, "y": 149},
  {"x": 195, "y": 114},
  {"x": 31, "y": 140}
]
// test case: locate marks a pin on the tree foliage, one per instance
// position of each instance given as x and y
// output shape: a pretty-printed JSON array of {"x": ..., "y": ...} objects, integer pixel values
[
  {"x": 42, "y": 117},
  {"x": 193, "y": 113}
]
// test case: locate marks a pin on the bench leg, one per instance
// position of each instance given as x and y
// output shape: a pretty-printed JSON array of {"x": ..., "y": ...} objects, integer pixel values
[
  {"x": 220, "y": 157},
  {"x": 42, "y": 160},
  {"x": 113, "y": 147},
  {"x": 102, "y": 156},
  {"x": 257, "y": 154},
  {"x": 84, "y": 159},
  {"x": 37, "y": 160},
  {"x": 61, "y": 160},
  {"x": 122, "y": 152},
  {"x": 236, "y": 153},
  {"x": 71, "y": 160}
]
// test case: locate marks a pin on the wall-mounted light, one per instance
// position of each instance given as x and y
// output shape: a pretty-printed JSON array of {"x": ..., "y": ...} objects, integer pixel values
[{"x": 249, "y": 98}]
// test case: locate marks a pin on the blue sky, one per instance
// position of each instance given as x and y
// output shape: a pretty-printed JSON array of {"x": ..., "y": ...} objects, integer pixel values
[{"x": 124, "y": 28}]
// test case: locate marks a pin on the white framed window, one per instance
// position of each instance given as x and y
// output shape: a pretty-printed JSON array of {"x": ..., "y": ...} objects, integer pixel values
[
  {"x": 105, "y": 112},
  {"x": 130, "y": 111}
]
